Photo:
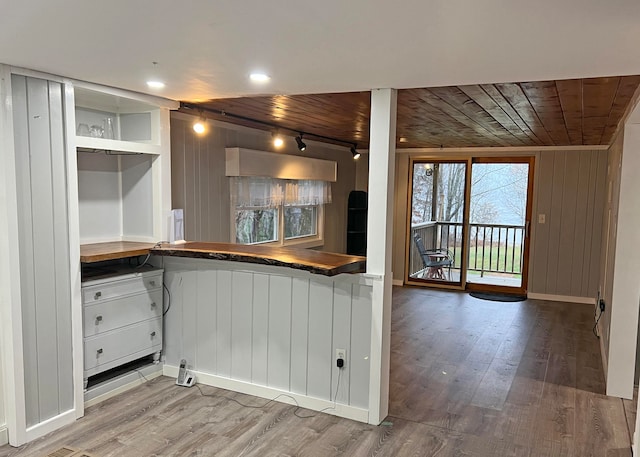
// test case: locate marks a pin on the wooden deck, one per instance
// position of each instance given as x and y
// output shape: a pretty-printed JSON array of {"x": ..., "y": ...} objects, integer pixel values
[{"x": 468, "y": 377}]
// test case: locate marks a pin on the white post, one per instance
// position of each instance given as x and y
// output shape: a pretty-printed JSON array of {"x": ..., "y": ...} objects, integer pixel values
[
  {"x": 382, "y": 147},
  {"x": 626, "y": 287}
]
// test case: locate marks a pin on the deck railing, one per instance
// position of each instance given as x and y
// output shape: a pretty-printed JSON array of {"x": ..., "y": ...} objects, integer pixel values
[{"x": 494, "y": 248}]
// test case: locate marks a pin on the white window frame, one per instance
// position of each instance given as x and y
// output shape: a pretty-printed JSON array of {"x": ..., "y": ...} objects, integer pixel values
[{"x": 310, "y": 241}]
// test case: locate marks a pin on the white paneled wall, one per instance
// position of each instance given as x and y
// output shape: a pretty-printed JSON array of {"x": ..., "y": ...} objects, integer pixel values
[
  {"x": 242, "y": 326},
  {"x": 45, "y": 282}
]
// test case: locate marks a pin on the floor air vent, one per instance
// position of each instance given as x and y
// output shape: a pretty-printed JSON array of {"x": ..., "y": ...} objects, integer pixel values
[{"x": 63, "y": 452}]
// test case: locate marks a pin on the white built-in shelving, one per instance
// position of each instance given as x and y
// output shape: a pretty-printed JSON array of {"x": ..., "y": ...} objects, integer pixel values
[{"x": 124, "y": 176}]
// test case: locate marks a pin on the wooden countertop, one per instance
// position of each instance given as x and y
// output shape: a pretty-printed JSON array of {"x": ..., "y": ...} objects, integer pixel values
[
  {"x": 318, "y": 262},
  {"x": 98, "y": 252}
]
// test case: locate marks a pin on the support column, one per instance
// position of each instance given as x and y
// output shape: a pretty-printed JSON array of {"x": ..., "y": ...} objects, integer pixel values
[
  {"x": 382, "y": 147},
  {"x": 626, "y": 287}
]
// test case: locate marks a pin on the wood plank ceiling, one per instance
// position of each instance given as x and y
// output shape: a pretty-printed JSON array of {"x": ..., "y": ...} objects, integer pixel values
[{"x": 547, "y": 113}]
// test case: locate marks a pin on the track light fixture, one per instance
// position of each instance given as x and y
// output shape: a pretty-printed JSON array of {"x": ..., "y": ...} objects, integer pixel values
[
  {"x": 301, "y": 145},
  {"x": 277, "y": 140},
  {"x": 199, "y": 126},
  {"x": 354, "y": 152}
]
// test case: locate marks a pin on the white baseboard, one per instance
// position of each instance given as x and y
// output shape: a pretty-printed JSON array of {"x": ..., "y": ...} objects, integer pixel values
[
  {"x": 50, "y": 425},
  {"x": 4, "y": 436},
  {"x": 563, "y": 298},
  {"x": 398, "y": 282},
  {"x": 121, "y": 384},
  {"x": 282, "y": 396}
]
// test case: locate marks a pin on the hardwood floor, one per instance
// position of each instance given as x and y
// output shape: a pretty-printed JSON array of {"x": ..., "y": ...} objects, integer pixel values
[{"x": 468, "y": 378}]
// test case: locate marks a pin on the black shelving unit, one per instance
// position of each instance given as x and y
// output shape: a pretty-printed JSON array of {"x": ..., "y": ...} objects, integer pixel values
[{"x": 357, "y": 223}]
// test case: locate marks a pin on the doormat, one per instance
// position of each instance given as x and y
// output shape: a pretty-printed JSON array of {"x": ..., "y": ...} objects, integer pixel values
[{"x": 497, "y": 297}]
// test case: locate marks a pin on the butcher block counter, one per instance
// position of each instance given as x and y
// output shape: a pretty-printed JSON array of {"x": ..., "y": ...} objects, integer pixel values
[{"x": 317, "y": 262}]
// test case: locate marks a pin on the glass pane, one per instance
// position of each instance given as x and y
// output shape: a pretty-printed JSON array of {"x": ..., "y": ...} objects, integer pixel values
[
  {"x": 256, "y": 225},
  {"x": 437, "y": 210},
  {"x": 300, "y": 221},
  {"x": 497, "y": 228}
]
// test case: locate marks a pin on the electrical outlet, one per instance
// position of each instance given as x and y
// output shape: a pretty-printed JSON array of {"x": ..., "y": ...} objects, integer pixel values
[{"x": 341, "y": 354}]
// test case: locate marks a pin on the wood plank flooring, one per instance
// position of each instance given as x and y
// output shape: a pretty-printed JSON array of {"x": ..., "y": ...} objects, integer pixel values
[{"x": 468, "y": 378}]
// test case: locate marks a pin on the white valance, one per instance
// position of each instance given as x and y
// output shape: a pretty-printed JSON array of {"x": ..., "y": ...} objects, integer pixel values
[{"x": 261, "y": 192}]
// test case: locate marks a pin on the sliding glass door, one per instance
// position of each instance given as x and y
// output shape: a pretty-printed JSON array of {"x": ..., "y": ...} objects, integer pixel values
[
  {"x": 436, "y": 222},
  {"x": 499, "y": 217},
  {"x": 468, "y": 223}
]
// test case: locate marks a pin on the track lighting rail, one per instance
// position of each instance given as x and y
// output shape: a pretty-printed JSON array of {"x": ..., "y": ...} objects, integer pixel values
[{"x": 298, "y": 134}]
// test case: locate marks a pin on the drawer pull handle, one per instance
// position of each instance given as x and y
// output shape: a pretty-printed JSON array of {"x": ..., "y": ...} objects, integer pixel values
[
  {"x": 153, "y": 334},
  {"x": 99, "y": 351},
  {"x": 97, "y": 295},
  {"x": 152, "y": 283},
  {"x": 98, "y": 319},
  {"x": 153, "y": 304}
]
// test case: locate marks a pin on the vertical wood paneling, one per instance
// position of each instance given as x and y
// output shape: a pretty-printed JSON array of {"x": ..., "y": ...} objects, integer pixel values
[
  {"x": 61, "y": 245},
  {"x": 570, "y": 189},
  {"x": 178, "y": 174},
  {"x": 44, "y": 272},
  {"x": 204, "y": 191},
  {"x": 320, "y": 339},
  {"x": 44, "y": 247},
  {"x": 540, "y": 253},
  {"x": 360, "y": 346},
  {"x": 270, "y": 329},
  {"x": 189, "y": 315},
  {"x": 223, "y": 320},
  {"x": 279, "y": 332},
  {"x": 260, "y": 328},
  {"x": 555, "y": 221},
  {"x": 27, "y": 280},
  {"x": 568, "y": 223},
  {"x": 299, "y": 334},
  {"x": 341, "y": 340},
  {"x": 188, "y": 192},
  {"x": 599, "y": 202},
  {"x": 173, "y": 319},
  {"x": 591, "y": 197},
  {"x": 206, "y": 321},
  {"x": 579, "y": 247},
  {"x": 241, "y": 325}
]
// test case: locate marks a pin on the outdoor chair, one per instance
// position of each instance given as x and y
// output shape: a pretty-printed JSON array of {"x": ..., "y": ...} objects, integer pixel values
[{"x": 434, "y": 260}]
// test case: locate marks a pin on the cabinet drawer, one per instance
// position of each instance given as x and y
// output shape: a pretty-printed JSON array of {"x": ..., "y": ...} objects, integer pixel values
[
  {"x": 109, "y": 315},
  {"x": 116, "y": 344},
  {"x": 115, "y": 289}
]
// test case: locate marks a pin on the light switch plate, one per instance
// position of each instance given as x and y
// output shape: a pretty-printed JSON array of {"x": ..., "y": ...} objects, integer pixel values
[{"x": 542, "y": 218}]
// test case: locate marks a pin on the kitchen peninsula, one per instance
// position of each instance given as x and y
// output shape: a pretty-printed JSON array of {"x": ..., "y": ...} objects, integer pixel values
[{"x": 268, "y": 321}]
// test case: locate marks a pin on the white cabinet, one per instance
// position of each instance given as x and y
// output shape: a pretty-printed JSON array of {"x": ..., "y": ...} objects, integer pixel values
[
  {"x": 124, "y": 172},
  {"x": 122, "y": 319}
]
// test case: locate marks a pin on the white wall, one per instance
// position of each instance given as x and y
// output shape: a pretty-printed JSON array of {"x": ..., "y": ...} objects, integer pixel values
[{"x": 625, "y": 301}]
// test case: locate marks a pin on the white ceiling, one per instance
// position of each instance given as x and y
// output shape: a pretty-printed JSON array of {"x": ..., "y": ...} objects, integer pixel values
[{"x": 206, "y": 48}]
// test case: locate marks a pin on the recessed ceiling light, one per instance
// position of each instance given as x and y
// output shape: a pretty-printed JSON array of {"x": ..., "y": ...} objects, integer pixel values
[
  {"x": 259, "y": 77},
  {"x": 155, "y": 84},
  {"x": 403, "y": 139},
  {"x": 278, "y": 141}
]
